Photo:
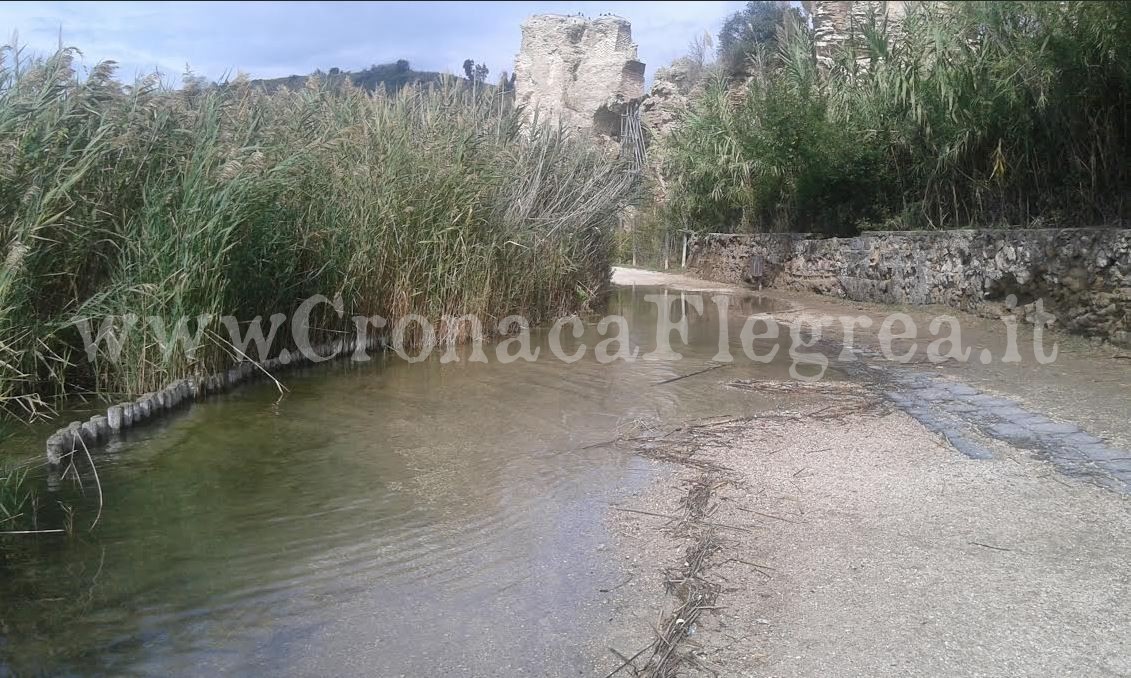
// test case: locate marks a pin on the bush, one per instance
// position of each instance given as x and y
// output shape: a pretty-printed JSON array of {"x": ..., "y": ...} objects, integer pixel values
[{"x": 749, "y": 30}]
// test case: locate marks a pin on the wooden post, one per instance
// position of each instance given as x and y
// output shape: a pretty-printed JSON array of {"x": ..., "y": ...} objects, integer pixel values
[{"x": 634, "y": 245}]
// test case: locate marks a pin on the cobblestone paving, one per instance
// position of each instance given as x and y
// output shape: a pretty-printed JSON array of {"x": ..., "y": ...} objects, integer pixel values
[{"x": 963, "y": 414}]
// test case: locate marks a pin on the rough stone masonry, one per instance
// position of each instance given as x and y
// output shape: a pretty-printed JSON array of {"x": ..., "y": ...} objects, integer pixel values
[
  {"x": 1081, "y": 275},
  {"x": 578, "y": 71},
  {"x": 840, "y": 23}
]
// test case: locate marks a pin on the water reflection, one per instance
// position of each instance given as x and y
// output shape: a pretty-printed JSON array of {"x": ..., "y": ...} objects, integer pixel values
[{"x": 382, "y": 518}]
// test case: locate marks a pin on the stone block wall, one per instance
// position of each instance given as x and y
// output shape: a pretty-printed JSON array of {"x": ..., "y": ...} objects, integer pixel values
[{"x": 1083, "y": 275}]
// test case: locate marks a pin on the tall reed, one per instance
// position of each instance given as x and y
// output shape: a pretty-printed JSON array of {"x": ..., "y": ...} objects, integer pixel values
[
  {"x": 993, "y": 114},
  {"x": 210, "y": 201}
]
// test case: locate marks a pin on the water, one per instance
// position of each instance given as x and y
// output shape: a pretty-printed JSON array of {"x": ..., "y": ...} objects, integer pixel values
[{"x": 381, "y": 519}]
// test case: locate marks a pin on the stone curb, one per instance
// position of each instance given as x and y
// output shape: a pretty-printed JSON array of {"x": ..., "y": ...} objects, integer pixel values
[{"x": 102, "y": 428}]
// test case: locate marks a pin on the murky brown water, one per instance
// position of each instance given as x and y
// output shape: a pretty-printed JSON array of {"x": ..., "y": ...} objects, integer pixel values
[{"x": 381, "y": 519}]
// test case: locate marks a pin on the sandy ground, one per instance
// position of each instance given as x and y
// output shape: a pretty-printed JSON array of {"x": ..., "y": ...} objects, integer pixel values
[{"x": 855, "y": 542}]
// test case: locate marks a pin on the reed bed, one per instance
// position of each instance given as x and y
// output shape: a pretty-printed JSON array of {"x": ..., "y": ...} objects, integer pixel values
[
  {"x": 200, "y": 202},
  {"x": 971, "y": 114}
]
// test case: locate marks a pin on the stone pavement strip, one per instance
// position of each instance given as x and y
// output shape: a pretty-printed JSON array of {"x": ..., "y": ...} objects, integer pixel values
[{"x": 962, "y": 414}]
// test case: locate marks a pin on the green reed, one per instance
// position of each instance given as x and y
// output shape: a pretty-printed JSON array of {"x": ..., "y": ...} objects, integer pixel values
[{"x": 208, "y": 201}]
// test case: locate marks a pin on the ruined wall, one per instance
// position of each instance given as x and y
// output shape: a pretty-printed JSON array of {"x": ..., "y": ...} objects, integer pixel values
[
  {"x": 1083, "y": 275},
  {"x": 669, "y": 99},
  {"x": 837, "y": 23},
  {"x": 582, "y": 72}
]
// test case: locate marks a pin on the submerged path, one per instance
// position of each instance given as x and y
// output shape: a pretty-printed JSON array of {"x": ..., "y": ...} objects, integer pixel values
[
  {"x": 962, "y": 414},
  {"x": 545, "y": 517},
  {"x": 1075, "y": 412},
  {"x": 970, "y": 520}
]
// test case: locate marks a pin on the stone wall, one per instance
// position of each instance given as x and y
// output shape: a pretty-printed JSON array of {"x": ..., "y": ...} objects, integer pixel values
[
  {"x": 579, "y": 71},
  {"x": 1082, "y": 275},
  {"x": 838, "y": 22}
]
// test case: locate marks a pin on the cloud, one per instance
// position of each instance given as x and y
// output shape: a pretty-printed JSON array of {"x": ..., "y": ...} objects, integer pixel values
[{"x": 278, "y": 39}]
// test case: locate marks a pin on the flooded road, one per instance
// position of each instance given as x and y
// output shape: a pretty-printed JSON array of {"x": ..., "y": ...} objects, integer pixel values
[{"x": 382, "y": 518}]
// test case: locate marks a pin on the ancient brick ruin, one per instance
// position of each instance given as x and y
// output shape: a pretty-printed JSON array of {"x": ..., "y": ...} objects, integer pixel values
[{"x": 578, "y": 71}]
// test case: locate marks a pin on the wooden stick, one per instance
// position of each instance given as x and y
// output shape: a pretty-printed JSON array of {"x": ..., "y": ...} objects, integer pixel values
[
  {"x": 767, "y": 515},
  {"x": 626, "y": 661},
  {"x": 668, "y": 381},
  {"x": 34, "y": 532}
]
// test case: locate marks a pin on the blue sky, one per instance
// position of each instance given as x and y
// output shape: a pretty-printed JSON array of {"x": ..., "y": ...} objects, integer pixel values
[{"x": 266, "y": 39}]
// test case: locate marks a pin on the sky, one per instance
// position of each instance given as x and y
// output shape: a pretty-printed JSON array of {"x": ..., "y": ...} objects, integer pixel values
[{"x": 274, "y": 39}]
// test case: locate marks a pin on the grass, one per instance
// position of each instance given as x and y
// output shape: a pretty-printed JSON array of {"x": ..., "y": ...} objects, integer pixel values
[{"x": 229, "y": 200}]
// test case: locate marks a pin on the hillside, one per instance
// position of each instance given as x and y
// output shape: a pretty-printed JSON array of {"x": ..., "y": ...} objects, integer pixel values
[{"x": 391, "y": 76}]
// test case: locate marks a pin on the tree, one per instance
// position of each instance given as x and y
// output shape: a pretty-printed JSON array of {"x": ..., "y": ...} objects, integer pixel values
[
  {"x": 475, "y": 72},
  {"x": 754, "y": 26},
  {"x": 505, "y": 83},
  {"x": 699, "y": 49}
]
